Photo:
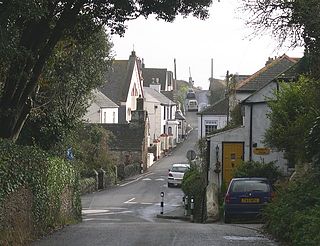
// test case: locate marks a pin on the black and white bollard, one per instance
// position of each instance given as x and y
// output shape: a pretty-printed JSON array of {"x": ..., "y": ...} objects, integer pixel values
[
  {"x": 192, "y": 209},
  {"x": 161, "y": 204},
  {"x": 186, "y": 205}
]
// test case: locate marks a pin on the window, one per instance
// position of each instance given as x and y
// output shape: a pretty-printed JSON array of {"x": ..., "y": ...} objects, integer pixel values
[
  {"x": 169, "y": 130},
  {"x": 210, "y": 128},
  {"x": 114, "y": 117},
  {"x": 164, "y": 129},
  {"x": 164, "y": 113}
]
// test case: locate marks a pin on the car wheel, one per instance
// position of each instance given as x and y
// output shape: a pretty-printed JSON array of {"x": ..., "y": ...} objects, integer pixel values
[{"x": 226, "y": 218}]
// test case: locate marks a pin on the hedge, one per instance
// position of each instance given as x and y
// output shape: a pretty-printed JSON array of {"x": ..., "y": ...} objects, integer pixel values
[{"x": 53, "y": 186}]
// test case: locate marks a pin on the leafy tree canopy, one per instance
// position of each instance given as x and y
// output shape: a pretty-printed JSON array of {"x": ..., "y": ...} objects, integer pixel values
[
  {"x": 292, "y": 115},
  {"x": 30, "y": 30},
  {"x": 297, "y": 21}
]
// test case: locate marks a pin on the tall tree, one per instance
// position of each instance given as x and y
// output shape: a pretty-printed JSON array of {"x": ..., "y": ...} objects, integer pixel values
[
  {"x": 30, "y": 29},
  {"x": 76, "y": 67},
  {"x": 296, "y": 21}
]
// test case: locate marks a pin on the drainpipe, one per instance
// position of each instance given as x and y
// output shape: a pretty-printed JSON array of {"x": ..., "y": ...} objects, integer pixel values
[
  {"x": 201, "y": 126},
  {"x": 250, "y": 134}
]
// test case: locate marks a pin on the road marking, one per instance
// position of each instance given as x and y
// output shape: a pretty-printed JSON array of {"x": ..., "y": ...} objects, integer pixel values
[
  {"x": 146, "y": 203},
  {"x": 100, "y": 219},
  {"x": 160, "y": 179},
  {"x": 237, "y": 238},
  {"x": 94, "y": 211},
  {"x": 136, "y": 180},
  {"x": 130, "y": 201},
  {"x": 146, "y": 179}
]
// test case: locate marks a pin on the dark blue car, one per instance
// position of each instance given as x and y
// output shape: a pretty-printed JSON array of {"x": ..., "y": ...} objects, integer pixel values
[{"x": 246, "y": 197}]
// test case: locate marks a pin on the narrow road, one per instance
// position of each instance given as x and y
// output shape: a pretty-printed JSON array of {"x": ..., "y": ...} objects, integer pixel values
[{"x": 125, "y": 215}]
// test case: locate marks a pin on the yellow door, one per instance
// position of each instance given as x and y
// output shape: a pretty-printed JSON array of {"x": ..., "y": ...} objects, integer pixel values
[{"x": 232, "y": 156}]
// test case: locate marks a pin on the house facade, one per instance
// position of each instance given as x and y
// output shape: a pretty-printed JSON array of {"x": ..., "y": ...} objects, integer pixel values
[
  {"x": 212, "y": 118},
  {"x": 124, "y": 84},
  {"x": 245, "y": 143},
  {"x": 101, "y": 109}
]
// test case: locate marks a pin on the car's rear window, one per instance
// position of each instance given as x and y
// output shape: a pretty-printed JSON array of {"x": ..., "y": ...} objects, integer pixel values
[
  {"x": 179, "y": 169},
  {"x": 250, "y": 185}
]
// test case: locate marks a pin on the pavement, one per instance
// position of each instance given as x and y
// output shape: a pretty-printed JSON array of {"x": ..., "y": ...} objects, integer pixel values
[{"x": 177, "y": 213}]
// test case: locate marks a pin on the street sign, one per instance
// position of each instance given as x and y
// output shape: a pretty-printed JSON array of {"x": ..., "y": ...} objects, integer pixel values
[
  {"x": 261, "y": 151},
  {"x": 191, "y": 155}
]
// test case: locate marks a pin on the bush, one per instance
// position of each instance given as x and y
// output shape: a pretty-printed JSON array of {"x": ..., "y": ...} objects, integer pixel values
[
  {"x": 257, "y": 169},
  {"x": 193, "y": 185},
  {"x": 294, "y": 215},
  {"x": 53, "y": 186}
]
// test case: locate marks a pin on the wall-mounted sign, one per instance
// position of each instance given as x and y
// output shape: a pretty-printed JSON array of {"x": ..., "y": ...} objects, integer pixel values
[{"x": 261, "y": 151}]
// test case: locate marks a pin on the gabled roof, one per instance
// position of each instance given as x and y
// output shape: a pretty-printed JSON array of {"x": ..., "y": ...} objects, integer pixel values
[
  {"x": 157, "y": 96},
  {"x": 102, "y": 101},
  {"x": 151, "y": 74},
  {"x": 219, "y": 108},
  {"x": 179, "y": 115},
  {"x": 118, "y": 79},
  {"x": 266, "y": 74},
  {"x": 171, "y": 95}
]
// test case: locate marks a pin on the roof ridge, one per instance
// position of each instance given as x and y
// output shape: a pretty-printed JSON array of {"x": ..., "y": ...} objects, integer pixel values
[{"x": 265, "y": 68}]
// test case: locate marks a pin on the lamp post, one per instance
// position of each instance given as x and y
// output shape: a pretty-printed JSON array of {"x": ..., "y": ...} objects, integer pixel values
[{"x": 161, "y": 204}]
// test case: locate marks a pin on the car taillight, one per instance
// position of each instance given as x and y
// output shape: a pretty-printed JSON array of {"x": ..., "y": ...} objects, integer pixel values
[
  {"x": 227, "y": 198},
  {"x": 170, "y": 175}
]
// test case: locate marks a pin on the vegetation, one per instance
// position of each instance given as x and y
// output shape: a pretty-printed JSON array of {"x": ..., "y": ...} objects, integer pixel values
[
  {"x": 30, "y": 31},
  {"x": 295, "y": 21},
  {"x": 52, "y": 183},
  {"x": 294, "y": 215},
  {"x": 258, "y": 169},
  {"x": 194, "y": 186},
  {"x": 293, "y": 113}
]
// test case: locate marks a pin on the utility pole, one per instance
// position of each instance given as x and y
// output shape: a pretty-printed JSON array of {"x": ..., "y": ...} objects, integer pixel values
[{"x": 227, "y": 95}]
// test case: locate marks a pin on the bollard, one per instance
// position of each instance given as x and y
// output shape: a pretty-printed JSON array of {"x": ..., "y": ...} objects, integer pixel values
[
  {"x": 161, "y": 204},
  {"x": 186, "y": 206},
  {"x": 192, "y": 209}
]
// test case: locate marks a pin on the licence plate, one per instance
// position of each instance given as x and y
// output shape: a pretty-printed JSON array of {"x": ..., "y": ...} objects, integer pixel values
[{"x": 250, "y": 200}]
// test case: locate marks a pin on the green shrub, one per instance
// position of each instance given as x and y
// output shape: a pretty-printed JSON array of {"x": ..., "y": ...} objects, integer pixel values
[
  {"x": 53, "y": 183},
  {"x": 294, "y": 215},
  {"x": 193, "y": 185},
  {"x": 258, "y": 169}
]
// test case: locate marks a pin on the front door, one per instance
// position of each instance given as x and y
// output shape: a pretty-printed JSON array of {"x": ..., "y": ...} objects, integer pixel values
[{"x": 232, "y": 156}]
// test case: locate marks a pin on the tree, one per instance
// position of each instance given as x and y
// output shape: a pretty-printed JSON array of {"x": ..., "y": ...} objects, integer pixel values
[
  {"x": 297, "y": 21},
  {"x": 76, "y": 67},
  {"x": 30, "y": 30},
  {"x": 293, "y": 113}
]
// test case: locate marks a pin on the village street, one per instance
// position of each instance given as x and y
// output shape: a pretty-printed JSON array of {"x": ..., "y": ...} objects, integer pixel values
[{"x": 126, "y": 214}]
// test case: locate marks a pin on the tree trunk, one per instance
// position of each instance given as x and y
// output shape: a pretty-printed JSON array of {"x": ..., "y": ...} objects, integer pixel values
[{"x": 36, "y": 45}]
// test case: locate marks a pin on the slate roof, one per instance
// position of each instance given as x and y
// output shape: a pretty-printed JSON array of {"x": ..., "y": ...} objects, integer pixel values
[
  {"x": 149, "y": 73},
  {"x": 171, "y": 95},
  {"x": 102, "y": 101},
  {"x": 179, "y": 115},
  {"x": 118, "y": 79},
  {"x": 267, "y": 74},
  {"x": 158, "y": 96},
  {"x": 219, "y": 108},
  {"x": 125, "y": 137}
]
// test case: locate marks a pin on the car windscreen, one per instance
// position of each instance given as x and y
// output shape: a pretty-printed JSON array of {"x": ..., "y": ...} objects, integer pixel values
[
  {"x": 179, "y": 169},
  {"x": 250, "y": 185}
]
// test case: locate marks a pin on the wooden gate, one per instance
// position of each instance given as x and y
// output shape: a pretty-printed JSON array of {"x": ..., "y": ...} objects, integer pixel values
[{"x": 232, "y": 155}]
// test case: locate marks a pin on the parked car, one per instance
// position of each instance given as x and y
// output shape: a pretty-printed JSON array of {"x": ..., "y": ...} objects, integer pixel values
[
  {"x": 176, "y": 173},
  {"x": 246, "y": 197}
]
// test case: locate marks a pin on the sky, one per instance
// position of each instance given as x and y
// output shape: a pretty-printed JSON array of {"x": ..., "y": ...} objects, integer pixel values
[{"x": 223, "y": 37}]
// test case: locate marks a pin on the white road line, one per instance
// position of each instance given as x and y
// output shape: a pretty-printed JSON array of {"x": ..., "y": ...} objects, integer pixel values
[
  {"x": 146, "y": 179},
  {"x": 130, "y": 201},
  {"x": 100, "y": 219},
  {"x": 146, "y": 203},
  {"x": 136, "y": 180},
  {"x": 160, "y": 179}
]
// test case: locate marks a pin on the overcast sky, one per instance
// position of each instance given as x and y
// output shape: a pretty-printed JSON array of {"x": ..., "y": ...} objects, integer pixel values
[{"x": 223, "y": 37}]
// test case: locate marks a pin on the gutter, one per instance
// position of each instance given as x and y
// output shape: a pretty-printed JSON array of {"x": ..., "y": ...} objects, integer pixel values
[{"x": 250, "y": 134}]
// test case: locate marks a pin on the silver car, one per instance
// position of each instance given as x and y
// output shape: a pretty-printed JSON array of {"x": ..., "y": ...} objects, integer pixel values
[{"x": 176, "y": 173}]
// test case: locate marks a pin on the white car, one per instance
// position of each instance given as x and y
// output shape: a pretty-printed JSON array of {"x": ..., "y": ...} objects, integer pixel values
[{"x": 176, "y": 173}]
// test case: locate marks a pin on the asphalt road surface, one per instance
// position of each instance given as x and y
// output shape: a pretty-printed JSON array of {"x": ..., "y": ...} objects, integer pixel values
[{"x": 125, "y": 215}]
